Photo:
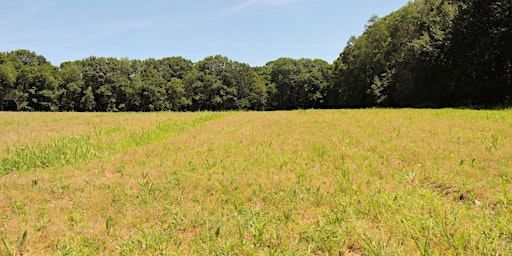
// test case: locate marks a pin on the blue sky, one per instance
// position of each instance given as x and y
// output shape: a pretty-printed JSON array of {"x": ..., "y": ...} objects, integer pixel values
[{"x": 249, "y": 31}]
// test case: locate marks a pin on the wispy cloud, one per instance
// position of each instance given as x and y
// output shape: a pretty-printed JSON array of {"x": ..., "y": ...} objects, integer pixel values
[
  {"x": 34, "y": 7},
  {"x": 105, "y": 31},
  {"x": 17, "y": 12},
  {"x": 248, "y": 4}
]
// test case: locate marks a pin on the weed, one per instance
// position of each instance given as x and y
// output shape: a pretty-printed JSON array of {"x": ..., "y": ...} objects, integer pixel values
[
  {"x": 109, "y": 223},
  {"x": 20, "y": 245},
  {"x": 494, "y": 141},
  {"x": 146, "y": 184}
]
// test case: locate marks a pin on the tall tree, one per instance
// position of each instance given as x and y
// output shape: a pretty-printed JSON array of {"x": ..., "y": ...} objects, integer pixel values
[
  {"x": 174, "y": 67},
  {"x": 106, "y": 77},
  {"x": 154, "y": 95},
  {"x": 396, "y": 61},
  {"x": 299, "y": 83},
  {"x": 480, "y": 55},
  {"x": 8, "y": 76},
  {"x": 217, "y": 83},
  {"x": 203, "y": 90},
  {"x": 176, "y": 97},
  {"x": 72, "y": 87},
  {"x": 36, "y": 85}
]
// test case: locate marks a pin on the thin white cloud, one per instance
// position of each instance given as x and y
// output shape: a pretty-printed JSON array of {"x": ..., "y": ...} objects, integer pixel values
[
  {"x": 19, "y": 12},
  {"x": 248, "y": 4},
  {"x": 38, "y": 6},
  {"x": 105, "y": 31}
]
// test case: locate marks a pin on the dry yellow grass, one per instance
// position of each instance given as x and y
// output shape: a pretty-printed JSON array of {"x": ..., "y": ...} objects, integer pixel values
[{"x": 347, "y": 182}]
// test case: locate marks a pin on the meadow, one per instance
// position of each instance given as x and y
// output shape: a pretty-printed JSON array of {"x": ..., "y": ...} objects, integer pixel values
[{"x": 305, "y": 182}]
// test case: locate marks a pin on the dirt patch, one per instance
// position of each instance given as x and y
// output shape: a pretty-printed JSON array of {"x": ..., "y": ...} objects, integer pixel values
[{"x": 454, "y": 193}]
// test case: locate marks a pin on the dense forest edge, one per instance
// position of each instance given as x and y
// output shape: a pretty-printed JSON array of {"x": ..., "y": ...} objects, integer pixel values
[{"x": 429, "y": 53}]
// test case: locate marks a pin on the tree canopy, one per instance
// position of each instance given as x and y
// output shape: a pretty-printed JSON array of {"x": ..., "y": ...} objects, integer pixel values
[{"x": 434, "y": 53}]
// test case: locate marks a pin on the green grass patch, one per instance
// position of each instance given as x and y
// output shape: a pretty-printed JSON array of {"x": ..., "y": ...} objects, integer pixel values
[
  {"x": 64, "y": 151},
  {"x": 60, "y": 152}
]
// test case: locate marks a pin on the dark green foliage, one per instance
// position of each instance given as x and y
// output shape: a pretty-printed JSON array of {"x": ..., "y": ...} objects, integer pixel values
[
  {"x": 217, "y": 83},
  {"x": 298, "y": 83},
  {"x": 392, "y": 63},
  {"x": 479, "y": 57},
  {"x": 72, "y": 87},
  {"x": 430, "y": 53},
  {"x": 28, "y": 82},
  {"x": 8, "y": 76}
]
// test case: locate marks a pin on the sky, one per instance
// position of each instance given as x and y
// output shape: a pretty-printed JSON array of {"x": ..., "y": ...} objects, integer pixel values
[{"x": 248, "y": 31}]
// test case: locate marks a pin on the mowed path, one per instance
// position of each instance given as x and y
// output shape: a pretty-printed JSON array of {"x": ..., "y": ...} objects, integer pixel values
[{"x": 299, "y": 182}]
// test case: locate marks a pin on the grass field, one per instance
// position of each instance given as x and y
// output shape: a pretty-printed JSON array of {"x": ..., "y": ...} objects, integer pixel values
[{"x": 338, "y": 182}]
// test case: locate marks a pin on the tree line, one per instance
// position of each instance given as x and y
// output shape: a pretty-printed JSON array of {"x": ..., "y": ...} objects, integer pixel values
[
  {"x": 30, "y": 83},
  {"x": 429, "y": 53}
]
